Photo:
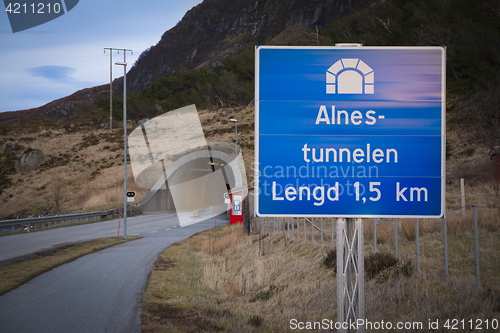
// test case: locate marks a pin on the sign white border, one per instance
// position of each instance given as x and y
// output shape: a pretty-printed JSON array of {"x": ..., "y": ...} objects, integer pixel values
[{"x": 443, "y": 129}]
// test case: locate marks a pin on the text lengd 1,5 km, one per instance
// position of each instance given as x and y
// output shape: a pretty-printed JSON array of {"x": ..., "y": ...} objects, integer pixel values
[{"x": 319, "y": 194}]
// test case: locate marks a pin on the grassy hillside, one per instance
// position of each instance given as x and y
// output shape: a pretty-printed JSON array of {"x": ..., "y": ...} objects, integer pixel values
[{"x": 83, "y": 168}]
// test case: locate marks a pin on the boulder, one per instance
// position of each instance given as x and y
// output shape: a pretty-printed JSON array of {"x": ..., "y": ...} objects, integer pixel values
[{"x": 31, "y": 159}]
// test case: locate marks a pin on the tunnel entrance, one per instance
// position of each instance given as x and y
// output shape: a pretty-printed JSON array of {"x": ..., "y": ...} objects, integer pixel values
[{"x": 197, "y": 180}]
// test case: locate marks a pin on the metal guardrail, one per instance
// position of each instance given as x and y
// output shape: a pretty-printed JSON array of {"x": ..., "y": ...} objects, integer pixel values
[{"x": 73, "y": 219}]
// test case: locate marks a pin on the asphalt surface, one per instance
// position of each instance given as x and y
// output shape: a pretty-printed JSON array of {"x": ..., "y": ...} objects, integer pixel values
[{"x": 100, "y": 292}]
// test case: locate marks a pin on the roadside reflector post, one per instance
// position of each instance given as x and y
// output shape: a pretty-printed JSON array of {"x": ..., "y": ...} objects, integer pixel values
[{"x": 350, "y": 273}]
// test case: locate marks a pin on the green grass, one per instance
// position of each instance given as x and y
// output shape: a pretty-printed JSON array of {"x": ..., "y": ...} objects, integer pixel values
[{"x": 15, "y": 274}]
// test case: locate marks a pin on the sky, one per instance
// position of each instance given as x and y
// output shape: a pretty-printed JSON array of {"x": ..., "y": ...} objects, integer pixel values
[{"x": 62, "y": 56}]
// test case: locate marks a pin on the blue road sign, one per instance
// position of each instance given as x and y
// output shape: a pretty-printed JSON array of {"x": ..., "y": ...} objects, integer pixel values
[{"x": 350, "y": 132}]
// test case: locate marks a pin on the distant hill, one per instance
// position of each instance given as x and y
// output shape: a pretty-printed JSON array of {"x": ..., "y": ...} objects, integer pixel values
[{"x": 60, "y": 108}]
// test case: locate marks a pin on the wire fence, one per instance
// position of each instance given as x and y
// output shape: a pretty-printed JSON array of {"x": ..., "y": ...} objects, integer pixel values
[{"x": 463, "y": 224}]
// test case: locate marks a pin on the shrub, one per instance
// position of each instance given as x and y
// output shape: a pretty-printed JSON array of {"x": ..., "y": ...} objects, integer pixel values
[
  {"x": 405, "y": 268},
  {"x": 330, "y": 260},
  {"x": 255, "y": 321},
  {"x": 265, "y": 295},
  {"x": 377, "y": 262}
]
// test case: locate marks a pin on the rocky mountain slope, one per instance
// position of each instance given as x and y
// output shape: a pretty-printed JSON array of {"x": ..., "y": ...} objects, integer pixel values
[{"x": 215, "y": 29}]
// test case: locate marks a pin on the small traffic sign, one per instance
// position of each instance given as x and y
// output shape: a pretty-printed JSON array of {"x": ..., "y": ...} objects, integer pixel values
[{"x": 130, "y": 196}]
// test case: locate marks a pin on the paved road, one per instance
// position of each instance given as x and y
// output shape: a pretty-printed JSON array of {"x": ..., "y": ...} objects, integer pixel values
[
  {"x": 100, "y": 292},
  {"x": 22, "y": 245}
]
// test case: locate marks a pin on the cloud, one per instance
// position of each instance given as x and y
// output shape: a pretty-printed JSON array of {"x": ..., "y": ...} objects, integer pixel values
[{"x": 55, "y": 73}]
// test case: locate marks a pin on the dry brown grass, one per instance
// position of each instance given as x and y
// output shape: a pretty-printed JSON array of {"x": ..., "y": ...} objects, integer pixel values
[
  {"x": 258, "y": 283},
  {"x": 72, "y": 167},
  {"x": 111, "y": 195}
]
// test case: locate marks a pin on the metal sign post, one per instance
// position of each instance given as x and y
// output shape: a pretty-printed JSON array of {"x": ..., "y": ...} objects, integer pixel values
[
  {"x": 350, "y": 132},
  {"x": 350, "y": 274},
  {"x": 130, "y": 198}
]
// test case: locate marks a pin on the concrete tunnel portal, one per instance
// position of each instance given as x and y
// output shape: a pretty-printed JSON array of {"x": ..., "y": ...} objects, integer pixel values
[{"x": 196, "y": 180}]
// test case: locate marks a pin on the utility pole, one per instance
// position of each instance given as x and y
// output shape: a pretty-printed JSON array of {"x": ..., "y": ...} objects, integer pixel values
[
  {"x": 111, "y": 80},
  {"x": 124, "y": 64}
]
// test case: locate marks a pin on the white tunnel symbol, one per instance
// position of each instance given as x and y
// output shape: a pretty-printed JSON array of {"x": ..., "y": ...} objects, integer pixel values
[{"x": 349, "y": 76}]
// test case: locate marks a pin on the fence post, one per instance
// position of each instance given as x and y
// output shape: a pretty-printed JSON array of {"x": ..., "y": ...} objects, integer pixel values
[
  {"x": 396, "y": 238},
  {"x": 247, "y": 220},
  {"x": 332, "y": 231},
  {"x": 476, "y": 244},
  {"x": 312, "y": 229},
  {"x": 374, "y": 235},
  {"x": 445, "y": 247},
  {"x": 417, "y": 238},
  {"x": 462, "y": 194},
  {"x": 305, "y": 229},
  {"x": 298, "y": 228},
  {"x": 321, "y": 231}
]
